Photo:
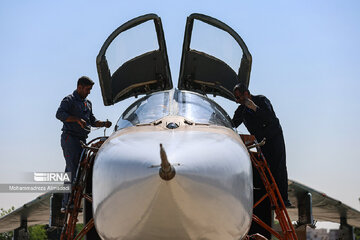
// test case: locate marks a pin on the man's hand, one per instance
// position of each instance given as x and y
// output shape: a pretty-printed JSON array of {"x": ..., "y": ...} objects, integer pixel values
[
  {"x": 107, "y": 124},
  {"x": 250, "y": 104},
  {"x": 81, "y": 122},
  {"x": 78, "y": 120}
]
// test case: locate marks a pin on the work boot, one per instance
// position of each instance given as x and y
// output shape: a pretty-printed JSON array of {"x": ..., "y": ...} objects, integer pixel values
[
  {"x": 63, "y": 209},
  {"x": 288, "y": 204}
]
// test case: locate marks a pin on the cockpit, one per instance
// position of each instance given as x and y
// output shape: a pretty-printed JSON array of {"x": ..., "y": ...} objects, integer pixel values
[
  {"x": 195, "y": 108},
  {"x": 130, "y": 68}
]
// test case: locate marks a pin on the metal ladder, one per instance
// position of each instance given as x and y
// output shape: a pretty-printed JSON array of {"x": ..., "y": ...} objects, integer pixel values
[
  {"x": 272, "y": 192},
  {"x": 78, "y": 192}
]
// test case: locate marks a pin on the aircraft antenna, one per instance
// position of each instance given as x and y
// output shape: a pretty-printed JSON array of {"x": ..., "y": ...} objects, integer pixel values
[{"x": 166, "y": 171}]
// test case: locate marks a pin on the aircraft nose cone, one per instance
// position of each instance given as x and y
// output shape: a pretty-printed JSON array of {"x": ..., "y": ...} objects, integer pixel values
[
  {"x": 210, "y": 196},
  {"x": 166, "y": 171}
]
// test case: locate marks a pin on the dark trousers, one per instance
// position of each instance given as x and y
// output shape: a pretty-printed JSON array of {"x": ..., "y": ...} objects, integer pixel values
[
  {"x": 263, "y": 210},
  {"x": 274, "y": 152},
  {"x": 72, "y": 151}
]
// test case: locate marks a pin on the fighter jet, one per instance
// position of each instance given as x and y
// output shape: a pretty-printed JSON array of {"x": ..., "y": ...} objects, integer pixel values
[{"x": 175, "y": 166}]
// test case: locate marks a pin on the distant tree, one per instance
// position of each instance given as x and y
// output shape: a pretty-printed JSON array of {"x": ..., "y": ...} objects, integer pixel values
[
  {"x": 357, "y": 233},
  {"x": 78, "y": 228},
  {"x": 37, "y": 232},
  {"x": 5, "y": 212},
  {"x": 6, "y": 235}
]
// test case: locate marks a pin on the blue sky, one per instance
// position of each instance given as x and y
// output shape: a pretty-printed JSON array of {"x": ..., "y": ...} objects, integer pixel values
[{"x": 305, "y": 60}]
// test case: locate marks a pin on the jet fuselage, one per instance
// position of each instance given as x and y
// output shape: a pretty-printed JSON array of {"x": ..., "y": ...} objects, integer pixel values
[{"x": 210, "y": 196}]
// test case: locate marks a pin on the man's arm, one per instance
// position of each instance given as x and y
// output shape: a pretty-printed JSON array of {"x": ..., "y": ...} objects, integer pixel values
[
  {"x": 238, "y": 116},
  {"x": 96, "y": 123},
  {"x": 63, "y": 113},
  {"x": 265, "y": 110},
  {"x": 78, "y": 120},
  {"x": 250, "y": 104}
]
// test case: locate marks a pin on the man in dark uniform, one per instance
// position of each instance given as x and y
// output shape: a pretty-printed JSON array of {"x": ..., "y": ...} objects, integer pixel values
[
  {"x": 258, "y": 115},
  {"x": 75, "y": 112}
]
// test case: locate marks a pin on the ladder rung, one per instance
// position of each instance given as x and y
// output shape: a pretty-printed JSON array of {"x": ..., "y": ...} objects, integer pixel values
[{"x": 258, "y": 160}]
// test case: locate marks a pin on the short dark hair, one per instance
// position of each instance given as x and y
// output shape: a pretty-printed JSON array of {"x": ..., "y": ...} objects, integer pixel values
[
  {"x": 241, "y": 87},
  {"x": 85, "y": 81}
]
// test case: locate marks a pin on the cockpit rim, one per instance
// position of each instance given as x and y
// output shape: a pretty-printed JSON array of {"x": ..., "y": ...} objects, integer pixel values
[{"x": 227, "y": 116}]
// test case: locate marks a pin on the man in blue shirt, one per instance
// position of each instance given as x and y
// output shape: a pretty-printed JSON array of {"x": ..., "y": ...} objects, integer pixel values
[{"x": 75, "y": 112}]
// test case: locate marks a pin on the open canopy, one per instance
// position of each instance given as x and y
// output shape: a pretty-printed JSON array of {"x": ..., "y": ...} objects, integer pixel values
[
  {"x": 133, "y": 60},
  {"x": 214, "y": 57}
]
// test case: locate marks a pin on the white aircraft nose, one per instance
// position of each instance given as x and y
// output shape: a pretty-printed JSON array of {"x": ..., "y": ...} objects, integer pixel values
[{"x": 210, "y": 197}]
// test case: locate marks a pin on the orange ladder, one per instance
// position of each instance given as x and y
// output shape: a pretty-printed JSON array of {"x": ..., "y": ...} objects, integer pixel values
[
  {"x": 272, "y": 192},
  {"x": 78, "y": 192}
]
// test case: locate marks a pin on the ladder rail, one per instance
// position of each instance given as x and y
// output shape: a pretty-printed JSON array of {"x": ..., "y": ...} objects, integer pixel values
[{"x": 272, "y": 192}]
